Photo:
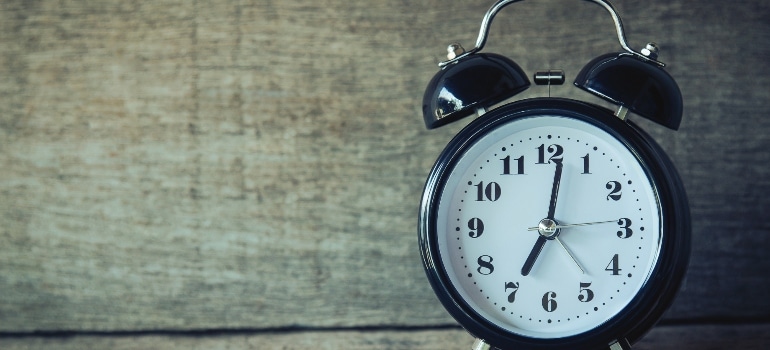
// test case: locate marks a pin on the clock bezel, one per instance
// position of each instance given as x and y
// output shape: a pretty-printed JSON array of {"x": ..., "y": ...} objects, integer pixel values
[{"x": 646, "y": 308}]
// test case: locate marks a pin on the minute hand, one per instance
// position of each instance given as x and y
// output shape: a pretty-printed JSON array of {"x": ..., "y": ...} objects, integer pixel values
[
  {"x": 555, "y": 190},
  {"x": 575, "y": 225}
]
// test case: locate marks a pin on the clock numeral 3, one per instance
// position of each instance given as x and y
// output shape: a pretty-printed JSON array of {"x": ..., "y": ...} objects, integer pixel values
[
  {"x": 614, "y": 188},
  {"x": 490, "y": 192},
  {"x": 549, "y": 301},
  {"x": 485, "y": 265},
  {"x": 515, "y": 287},
  {"x": 625, "y": 225}
]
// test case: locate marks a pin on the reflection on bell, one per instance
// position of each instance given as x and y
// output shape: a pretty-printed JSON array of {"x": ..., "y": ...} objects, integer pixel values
[
  {"x": 644, "y": 88},
  {"x": 476, "y": 82}
]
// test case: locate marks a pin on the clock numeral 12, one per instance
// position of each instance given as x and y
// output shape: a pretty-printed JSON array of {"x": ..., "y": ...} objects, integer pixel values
[{"x": 556, "y": 152}]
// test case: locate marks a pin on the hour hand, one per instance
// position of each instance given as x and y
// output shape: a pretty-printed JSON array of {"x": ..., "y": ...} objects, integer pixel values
[{"x": 533, "y": 255}]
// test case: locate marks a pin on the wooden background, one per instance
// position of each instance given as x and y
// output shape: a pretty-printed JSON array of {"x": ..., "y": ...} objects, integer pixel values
[{"x": 246, "y": 174}]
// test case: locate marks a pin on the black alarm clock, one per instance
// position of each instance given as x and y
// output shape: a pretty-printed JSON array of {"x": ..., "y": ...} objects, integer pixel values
[{"x": 552, "y": 223}]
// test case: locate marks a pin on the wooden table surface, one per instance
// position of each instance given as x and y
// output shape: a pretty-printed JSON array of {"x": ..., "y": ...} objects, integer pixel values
[{"x": 246, "y": 174}]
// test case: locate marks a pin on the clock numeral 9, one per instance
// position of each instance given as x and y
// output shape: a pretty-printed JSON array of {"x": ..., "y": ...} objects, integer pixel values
[
  {"x": 515, "y": 287},
  {"x": 476, "y": 226},
  {"x": 625, "y": 225},
  {"x": 549, "y": 301},
  {"x": 614, "y": 188},
  {"x": 490, "y": 192},
  {"x": 554, "y": 150},
  {"x": 485, "y": 265}
]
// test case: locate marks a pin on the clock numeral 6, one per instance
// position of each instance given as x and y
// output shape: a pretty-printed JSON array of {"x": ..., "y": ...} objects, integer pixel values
[
  {"x": 490, "y": 192},
  {"x": 485, "y": 265},
  {"x": 515, "y": 287},
  {"x": 549, "y": 301},
  {"x": 614, "y": 188},
  {"x": 476, "y": 226}
]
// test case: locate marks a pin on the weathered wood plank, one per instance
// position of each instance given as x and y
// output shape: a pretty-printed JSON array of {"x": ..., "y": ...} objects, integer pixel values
[
  {"x": 701, "y": 337},
  {"x": 239, "y": 164}
]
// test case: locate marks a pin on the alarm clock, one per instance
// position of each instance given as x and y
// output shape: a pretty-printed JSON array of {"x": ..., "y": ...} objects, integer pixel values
[{"x": 552, "y": 223}]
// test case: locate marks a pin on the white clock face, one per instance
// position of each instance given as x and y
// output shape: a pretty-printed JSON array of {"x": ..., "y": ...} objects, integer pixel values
[{"x": 541, "y": 275}]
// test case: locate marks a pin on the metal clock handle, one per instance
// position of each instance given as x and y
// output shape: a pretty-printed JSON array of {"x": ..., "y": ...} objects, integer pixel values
[{"x": 650, "y": 50}]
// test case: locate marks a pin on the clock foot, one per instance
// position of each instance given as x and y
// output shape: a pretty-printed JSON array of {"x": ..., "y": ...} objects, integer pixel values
[
  {"x": 480, "y": 344},
  {"x": 621, "y": 344}
]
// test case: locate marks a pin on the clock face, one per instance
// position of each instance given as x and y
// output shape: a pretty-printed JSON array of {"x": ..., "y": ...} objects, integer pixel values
[{"x": 547, "y": 226}]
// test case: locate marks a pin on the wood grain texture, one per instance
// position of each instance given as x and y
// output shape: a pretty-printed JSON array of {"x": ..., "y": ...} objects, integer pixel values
[
  {"x": 180, "y": 165},
  {"x": 702, "y": 337}
]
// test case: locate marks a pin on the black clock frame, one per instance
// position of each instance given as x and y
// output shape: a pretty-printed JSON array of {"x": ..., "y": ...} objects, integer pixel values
[{"x": 647, "y": 307}]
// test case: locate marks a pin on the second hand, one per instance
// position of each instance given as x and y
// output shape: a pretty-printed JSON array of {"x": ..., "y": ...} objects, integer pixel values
[{"x": 575, "y": 225}]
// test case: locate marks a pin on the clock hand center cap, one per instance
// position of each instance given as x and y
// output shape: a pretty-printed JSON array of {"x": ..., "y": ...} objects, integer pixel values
[{"x": 548, "y": 228}]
